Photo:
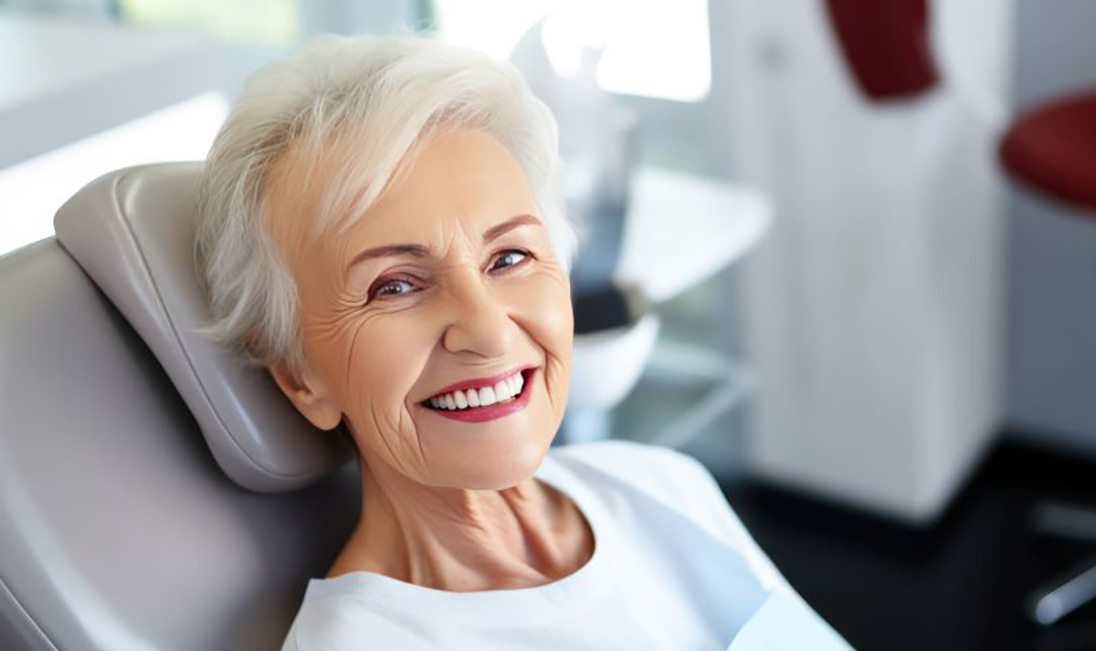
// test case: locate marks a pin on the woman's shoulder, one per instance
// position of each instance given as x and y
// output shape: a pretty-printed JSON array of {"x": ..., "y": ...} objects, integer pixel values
[
  {"x": 665, "y": 473},
  {"x": 679, "y": 481}
]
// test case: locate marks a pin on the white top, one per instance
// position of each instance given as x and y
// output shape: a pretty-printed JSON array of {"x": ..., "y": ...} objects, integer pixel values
[{"x": 673, "y": 568}]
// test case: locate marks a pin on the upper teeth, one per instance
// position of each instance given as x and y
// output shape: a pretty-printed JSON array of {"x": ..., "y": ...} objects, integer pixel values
[{"x": 484, "y": 396}]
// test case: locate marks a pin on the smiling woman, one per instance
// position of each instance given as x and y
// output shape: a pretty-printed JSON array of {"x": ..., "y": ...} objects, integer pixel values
[
  {"x": 381, "y": 228},
  {"x": 438, "y": 284}
]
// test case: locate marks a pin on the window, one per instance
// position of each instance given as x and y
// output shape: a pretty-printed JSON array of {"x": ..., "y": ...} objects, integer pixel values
[{"x": 652, "y": 48}]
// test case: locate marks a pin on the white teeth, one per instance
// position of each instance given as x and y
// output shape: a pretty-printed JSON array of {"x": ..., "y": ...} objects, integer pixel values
[{"x": 503, "y": 390}]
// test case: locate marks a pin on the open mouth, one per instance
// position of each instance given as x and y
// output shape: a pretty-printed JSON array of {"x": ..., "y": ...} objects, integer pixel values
[{"x": 503, "y": 392}]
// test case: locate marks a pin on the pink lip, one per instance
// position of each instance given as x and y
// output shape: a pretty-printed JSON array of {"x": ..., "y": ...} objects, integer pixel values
[
  {"x": 478, "y": 382},
  {"x": 480, "y": 414}
]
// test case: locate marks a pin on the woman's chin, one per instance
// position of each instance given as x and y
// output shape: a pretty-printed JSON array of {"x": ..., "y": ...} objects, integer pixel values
[{"x": 493, "y": 463}]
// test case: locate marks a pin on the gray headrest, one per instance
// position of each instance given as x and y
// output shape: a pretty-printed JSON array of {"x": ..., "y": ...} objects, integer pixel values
[{"x": 132, "y": 231}]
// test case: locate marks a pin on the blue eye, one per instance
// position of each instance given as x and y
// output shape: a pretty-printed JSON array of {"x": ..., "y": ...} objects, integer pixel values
[{"x": 510, "y": 255}]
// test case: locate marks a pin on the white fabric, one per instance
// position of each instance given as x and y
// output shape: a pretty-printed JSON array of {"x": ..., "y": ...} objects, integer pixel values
[{"x": 673, "y": 568}]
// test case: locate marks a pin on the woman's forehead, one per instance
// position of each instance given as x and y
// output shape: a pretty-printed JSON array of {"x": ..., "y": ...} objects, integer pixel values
[
  {"x": 463, "y": 181},
  {"x": 456, "y": 173},
  {"x": 456, "y": 181}
]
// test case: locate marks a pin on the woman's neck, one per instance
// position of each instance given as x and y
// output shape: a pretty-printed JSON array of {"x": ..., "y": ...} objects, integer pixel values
[{"x": 463, "y": 540}]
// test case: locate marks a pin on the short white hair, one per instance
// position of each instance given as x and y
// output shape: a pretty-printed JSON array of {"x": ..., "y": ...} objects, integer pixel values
[{"x": 385, "y": 95}]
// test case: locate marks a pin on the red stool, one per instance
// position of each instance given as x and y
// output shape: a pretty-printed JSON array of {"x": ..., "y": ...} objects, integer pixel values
[{"x": 1053, "y": 150}]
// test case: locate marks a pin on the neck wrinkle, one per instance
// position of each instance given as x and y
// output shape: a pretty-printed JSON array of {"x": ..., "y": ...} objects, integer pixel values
[{"x": 456, "y": 539}]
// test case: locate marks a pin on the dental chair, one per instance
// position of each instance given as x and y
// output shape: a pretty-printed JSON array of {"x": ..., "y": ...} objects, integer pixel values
[{"x": 156, "y": 494}]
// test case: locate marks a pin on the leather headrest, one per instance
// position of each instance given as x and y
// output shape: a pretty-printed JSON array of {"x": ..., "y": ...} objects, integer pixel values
[{"x": 132, "y": 231}]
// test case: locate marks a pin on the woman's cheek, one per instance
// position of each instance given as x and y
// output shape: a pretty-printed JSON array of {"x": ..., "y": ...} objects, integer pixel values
[
  {"x": 379, "y": 360},
  {"x": 543, "y": 309},
  {"x": 543, "y": 302}
]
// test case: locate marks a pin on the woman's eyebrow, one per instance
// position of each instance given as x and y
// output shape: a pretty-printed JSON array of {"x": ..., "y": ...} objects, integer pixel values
[
  {"x": 420, "y": 251},
  {"x": 498, "y": 230}
]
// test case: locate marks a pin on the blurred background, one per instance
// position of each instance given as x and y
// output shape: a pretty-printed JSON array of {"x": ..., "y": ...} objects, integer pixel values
[{"x": 843, "y": 252}]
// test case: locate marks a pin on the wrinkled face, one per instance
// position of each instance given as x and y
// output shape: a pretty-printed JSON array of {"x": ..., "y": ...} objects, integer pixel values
[{"x": 450, "y": 279}]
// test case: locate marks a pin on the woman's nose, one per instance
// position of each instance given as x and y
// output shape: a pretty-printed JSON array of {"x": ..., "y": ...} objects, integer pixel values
[{"x": 478, "y": 318}]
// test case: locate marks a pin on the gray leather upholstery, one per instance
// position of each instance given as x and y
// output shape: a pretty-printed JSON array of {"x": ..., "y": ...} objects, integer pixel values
[
  {"x": 118, "y": 530},
  {"x": 132, "y": 232}
]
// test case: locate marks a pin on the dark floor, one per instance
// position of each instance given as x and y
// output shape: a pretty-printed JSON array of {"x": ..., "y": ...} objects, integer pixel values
[{"x": 961, "y": 585}]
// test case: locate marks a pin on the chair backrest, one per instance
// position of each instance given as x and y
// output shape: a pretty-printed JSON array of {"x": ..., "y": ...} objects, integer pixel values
[
  {"x": 886, "y": 46},
  {"x": 132, "y": 231},
  {"x": 118, "y": 528}
]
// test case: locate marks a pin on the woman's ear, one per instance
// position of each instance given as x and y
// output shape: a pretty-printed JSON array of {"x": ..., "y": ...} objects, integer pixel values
[{"x": 308, "y": 394}]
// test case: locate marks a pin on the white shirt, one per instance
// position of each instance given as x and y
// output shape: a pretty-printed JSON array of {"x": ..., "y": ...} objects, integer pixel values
[{"x": 672, "y": 568}]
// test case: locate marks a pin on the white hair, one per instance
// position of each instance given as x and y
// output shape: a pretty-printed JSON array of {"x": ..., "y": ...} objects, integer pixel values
[{"x": 385, "y": 95}]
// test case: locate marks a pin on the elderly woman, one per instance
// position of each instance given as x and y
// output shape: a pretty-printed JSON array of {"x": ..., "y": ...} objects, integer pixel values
[{"x": 382, "y": 228}]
